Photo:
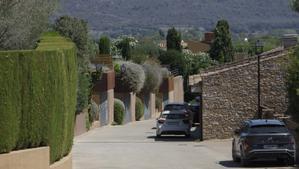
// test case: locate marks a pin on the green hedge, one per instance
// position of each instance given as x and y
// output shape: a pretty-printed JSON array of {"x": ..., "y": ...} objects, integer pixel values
[
  {"x": 139, "y": 108},
  {"x": 38, "y": 97},
  {"x": 119, "y": 112}
]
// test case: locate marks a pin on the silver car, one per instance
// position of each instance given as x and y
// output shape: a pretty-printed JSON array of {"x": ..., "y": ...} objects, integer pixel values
[{"x": 173, "y": 122}]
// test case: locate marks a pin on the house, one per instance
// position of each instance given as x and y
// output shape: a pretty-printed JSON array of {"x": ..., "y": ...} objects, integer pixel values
[
  {"x": 193, "y": 45},
  {"x": 201, "y": 46}
]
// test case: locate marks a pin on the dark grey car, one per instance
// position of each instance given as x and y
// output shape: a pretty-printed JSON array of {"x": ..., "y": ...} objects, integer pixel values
[{"x": 261, "y": 140}]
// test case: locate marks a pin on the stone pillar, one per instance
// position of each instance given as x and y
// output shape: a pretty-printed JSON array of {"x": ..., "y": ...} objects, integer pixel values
[
  {"x": 111, "y": 106},
  {"x": 132, "y": 106},
  {"x": 170, "y": 97},
  {"x": 152, "y": 105},
  {"x": 178, "y": 89}
]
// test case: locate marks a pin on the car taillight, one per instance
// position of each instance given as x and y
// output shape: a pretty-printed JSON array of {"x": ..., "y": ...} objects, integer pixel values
[
  {"x": 291, "y": 140},
  {"x": 161, "y": 121}
]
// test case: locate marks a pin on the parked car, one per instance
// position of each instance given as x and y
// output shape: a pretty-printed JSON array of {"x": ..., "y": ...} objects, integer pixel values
[
  {"x": 261, "y": 140},
  {"x": 173, "y": 122},
  {"x": 184, "y": 107}
]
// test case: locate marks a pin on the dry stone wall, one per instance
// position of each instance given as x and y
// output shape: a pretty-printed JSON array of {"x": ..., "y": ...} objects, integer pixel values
[{"x": 230, "y": 95}]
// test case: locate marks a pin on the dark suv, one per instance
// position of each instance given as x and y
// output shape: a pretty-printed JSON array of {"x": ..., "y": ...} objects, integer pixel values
[{"x": 263, "y": 139}]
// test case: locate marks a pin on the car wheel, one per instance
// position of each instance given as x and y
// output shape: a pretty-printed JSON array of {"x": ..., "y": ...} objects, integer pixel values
[
  {"x": 291, "y": 162},
  {"x": 244, "y": 162},
  {"x": 235, "y": 158}
]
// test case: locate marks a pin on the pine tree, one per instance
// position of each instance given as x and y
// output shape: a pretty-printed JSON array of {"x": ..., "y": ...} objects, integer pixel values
[{"x": 222, "y": 48}]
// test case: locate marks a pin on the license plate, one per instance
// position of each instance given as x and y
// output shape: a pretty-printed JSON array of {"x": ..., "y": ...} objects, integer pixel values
[
  {"x": 172, "y": 123},
  {"x": 270, "y": 146}
]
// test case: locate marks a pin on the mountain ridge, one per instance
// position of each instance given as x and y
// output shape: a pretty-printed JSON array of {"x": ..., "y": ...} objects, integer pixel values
[{"x": 129, "y": 16}]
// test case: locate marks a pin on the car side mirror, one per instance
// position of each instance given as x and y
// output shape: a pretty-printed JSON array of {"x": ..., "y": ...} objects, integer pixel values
[{"x": 237, "y": 131}]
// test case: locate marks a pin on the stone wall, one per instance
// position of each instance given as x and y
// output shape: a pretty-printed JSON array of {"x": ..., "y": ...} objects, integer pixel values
[
  {"x": 230, "y": 95},
  {"x": 152, "y": 105},
  {"x": 106, "y": 106},
  {"x": 80, "y": 123}
]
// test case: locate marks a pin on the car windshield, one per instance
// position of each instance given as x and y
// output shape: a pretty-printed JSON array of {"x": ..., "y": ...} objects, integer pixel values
[
  {"x": 174, "y": 107},
  {"x": 268, "y": 129},
  {"x": 173, "y": 116}
]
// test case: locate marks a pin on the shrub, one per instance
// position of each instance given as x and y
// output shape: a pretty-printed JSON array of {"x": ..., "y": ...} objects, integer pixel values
[
  {"x": 38, "y": 97},
  {"x": 139, "y": 58},
  {"x": 117, "y": 68},
  {"x": 153, "y": 78},
  {"x": 175, "y": 60},
  {"x": 93, "y": 112},
  {"x": 139, "y": 109},
  {"x": 165, "y": 72},
  {"x": 133, "y": 77},
  {"x": 119, "y": 111},
  {"x": 84, "y": 83}
]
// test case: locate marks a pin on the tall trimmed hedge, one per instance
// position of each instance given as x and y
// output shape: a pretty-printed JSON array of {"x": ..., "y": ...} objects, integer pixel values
[{"x": 38, "y": 97}]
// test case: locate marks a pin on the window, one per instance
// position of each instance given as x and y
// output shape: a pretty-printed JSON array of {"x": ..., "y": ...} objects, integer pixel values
[
  {"x": 173, "y": 116},
  {"x": 268, "y": 129},
  {"x": 175, "y": 107}
]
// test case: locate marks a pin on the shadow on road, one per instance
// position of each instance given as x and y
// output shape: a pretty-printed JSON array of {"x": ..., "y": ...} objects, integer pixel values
[
  {"x": 255, "y": 164},
  {"x": 172, "y": 138},
  {"x": 195, "y": 135}
]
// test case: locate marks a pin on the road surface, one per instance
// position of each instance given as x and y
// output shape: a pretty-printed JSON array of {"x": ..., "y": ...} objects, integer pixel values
[{"x": 134, "y": 146}]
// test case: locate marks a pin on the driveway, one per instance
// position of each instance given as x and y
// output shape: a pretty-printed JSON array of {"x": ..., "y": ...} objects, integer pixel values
[{"x": 134, "y": 146}]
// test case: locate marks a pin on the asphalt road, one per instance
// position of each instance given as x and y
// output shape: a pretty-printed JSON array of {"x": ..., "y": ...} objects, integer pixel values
[{"x": 134, "y": 146}]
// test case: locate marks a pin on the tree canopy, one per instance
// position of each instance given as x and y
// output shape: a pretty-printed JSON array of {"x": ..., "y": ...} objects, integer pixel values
[
  {"x": 125, "y": 48},
  {"x": 23, "y": 21},
  {"x": 77, "y": 30},
  {"x": 222, "y": 48},
  {"x": 295, "y": 5}
]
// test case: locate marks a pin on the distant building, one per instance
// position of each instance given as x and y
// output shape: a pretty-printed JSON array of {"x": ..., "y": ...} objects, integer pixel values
[
  {"x": 163, "y": 45},
  {"x": 194, "y": 46},
  {"x": 289, "y": 40},
  {"x": 201, "y": 46}
]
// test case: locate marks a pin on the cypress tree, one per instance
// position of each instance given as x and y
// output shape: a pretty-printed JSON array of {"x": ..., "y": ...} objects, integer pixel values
[
  {"x": 222, "y": 48},
  {"x": 104, "y": 45},
  {"x": 173, "y": 40}
]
